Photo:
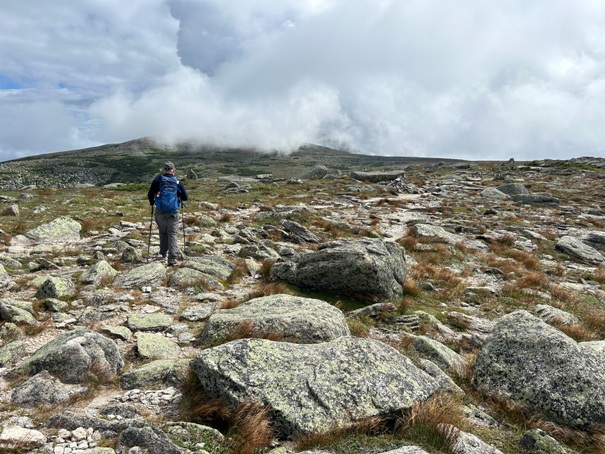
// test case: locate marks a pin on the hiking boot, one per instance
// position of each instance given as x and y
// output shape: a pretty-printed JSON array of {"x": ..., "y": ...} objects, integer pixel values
[{"x": 172, "y": 263}]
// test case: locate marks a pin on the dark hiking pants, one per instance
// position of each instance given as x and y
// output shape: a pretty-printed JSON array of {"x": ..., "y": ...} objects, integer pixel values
[{"x": 168, "y": 224}]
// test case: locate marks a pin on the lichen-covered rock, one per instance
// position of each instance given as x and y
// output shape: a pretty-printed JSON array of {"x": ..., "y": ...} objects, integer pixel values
[
  {"x": 188, "y": 277},
  {"x": 15, "y": 311},
  {"x": 151, "y": 274},
  {"x": 529, "y": 361},
  {"x": 539, "y": 441},
  {"x": 11, "y": 353},
  {"x": 376, "y": 177},
  {"x": 212, "y": 265},
  {"x": 297, "y": 233},
  {"x": 189, "y": 435},
  {"x": 369, "y": 269},
  {"x": 578, "y": 250},
  {"x": 443, "y": 356},
  {"x": 513, "y": 189},
  {"x": 199, "y": 312},
  {"x": 466, "y": 443},
  {"x": 151, "y": 373},
  {"x": 316, "y": 172},
  {"x": 156, "y": 346},
  {"x": 536, "y": 199},
  {"x": 444, "y": 380},
  {"x": 313, "y": 387},
  {"x": 406, "y": 450},
  {"x": 44, "y": 389},
  {"x": 304, "y": 320},
  {"x": 61, "y": 230},
  {"x": 156, "y": 321},
  {"x": 553, "y": 315},
  {"x": 98, "y": 273},
  {"x": 73, "y": 355},
  {"x": 56, "y": 287},
  {"x": 494, "y": 194},
  {"x": 121, "y": 332},
  {"x": 438, "y": 233},
  {"x": 152, "y": 440}
]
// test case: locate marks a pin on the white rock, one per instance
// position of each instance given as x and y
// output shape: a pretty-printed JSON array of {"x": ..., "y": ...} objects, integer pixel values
[
  {"x": 20, "y": 438},
  {"x": 79, "y": 434}
]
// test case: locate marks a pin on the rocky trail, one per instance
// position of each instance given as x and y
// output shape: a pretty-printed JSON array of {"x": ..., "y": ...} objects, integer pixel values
[{"x": 454, "y": 307}]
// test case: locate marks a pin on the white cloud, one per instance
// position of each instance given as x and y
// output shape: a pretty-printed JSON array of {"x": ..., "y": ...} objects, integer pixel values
[{"x": 422, "y": 77}]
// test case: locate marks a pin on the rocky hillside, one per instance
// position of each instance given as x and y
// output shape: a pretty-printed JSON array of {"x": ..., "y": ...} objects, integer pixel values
[
  {"x": 325, "y": 305},
  {"x": 139, "y": 160}
]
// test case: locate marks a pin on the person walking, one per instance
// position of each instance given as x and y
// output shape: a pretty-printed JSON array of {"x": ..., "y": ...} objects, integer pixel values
[{"x": 167, "y": 192}]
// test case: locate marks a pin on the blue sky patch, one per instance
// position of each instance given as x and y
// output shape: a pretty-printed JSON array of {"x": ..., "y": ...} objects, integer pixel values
[{"x": 8, "y": 84}]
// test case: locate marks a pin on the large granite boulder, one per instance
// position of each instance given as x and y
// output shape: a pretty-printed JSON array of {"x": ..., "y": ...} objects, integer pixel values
[
  {"x": 72, "y": 356},
  {"x": 370, "y": 270},
  {"x": 529, "y": 361},
  {"x": 61, "y": 230},
  {"x": 579, "y": 250},
  {"x": 313, "y": 387},
  {"x": 288, "y": 317}
]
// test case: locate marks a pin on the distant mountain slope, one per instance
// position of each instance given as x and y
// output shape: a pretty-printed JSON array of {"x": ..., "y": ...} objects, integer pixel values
[{"x": 139, "y": 160}]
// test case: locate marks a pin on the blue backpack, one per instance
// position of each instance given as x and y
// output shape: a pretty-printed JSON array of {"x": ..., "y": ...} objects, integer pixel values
[{"x": 167, "y": 200}]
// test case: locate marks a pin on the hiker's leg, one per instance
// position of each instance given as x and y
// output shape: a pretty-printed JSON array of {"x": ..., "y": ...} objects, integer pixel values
[
  {"x": 172, "y": 227},
  {"x": 160, "y": 218}
]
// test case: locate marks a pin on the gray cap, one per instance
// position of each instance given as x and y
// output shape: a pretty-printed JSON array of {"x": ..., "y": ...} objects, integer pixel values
[{"x": 168, "y": 165}]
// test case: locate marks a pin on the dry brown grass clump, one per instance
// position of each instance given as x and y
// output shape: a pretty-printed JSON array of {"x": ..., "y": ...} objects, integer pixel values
[
  {"x": 599, "y": 274},
  {"x": 248, "y": 427},
  {"x": 250, "y": 430},
  {"x": 424, "y": 422}
]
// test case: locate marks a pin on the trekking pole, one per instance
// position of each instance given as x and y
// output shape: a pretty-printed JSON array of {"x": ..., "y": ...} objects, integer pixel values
[
  {"x": 150, "y": 227},
  {"x": 183, "y": 223}
]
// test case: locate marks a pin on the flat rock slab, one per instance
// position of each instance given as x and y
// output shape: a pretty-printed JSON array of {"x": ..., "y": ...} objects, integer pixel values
[
  {"x": 212, "y": 265},
  {"x": 376, "y": 177},
  {"x": 156, "y": 346},
  {"x": 578, "y": 250},
  {"x": 151, "y": 274},
  {"x": 61, "y": 230},
  {"x": 314, "y": 387},
  {"x": 438, "y": 233},
  {"x": 157, "y": 321},
  {"x": 304, "y": 320}
]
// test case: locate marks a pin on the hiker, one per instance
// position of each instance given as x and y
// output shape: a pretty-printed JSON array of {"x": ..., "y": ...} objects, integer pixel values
[{"x": 167, "y": 192}]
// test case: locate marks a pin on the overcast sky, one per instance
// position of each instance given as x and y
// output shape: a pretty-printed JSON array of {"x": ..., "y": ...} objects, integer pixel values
[{"x": 469, "y": 79}]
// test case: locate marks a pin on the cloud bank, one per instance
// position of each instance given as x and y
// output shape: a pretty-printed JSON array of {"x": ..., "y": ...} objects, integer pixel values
[{"x": 416, "y": 78}]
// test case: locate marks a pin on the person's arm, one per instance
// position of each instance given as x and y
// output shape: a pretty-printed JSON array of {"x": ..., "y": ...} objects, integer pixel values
[
  {"x": 153, "y": 190},
  {"x": 183, "y": 192}
]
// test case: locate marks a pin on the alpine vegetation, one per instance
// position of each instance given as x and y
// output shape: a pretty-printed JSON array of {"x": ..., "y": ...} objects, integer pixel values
[{"x": 318, "y": 302}]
